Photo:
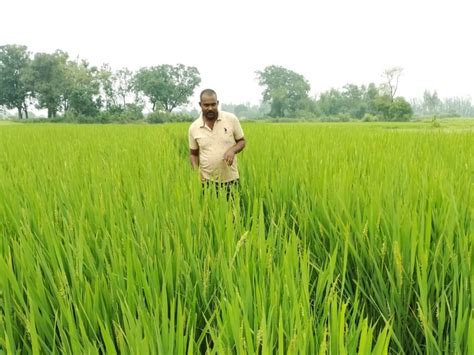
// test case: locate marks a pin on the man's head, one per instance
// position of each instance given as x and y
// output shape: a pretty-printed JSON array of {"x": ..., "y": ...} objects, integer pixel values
[{"x": 208, "y": 102}]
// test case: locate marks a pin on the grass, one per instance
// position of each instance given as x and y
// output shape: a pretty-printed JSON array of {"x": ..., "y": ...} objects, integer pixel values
[{"x": 345, "y": 238}]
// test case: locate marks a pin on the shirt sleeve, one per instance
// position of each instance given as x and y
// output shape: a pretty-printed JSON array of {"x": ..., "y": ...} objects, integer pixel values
[
  {"x": 238, "y": 132},
  {"x": 192, "y": 142}
]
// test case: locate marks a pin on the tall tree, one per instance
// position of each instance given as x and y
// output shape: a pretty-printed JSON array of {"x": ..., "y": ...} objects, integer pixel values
[
  {"x": 123, "y": 85},
  {"x": 167, "y": 86},
  {"x": 49, "y": 80},
  {"x": 462, "y": 106},
  {"x": 285, "y": 90},
  {"x": 355, "y": 105},
  {"x": 330, "y": 103},
  {"x": 400, "y": 110},
  {"x": 370, "y": 95},
  {"x": 431, "y": 102},
  {"x": 107, "y": 93},
  {"x": 116, "y": 87},
  {"x": 81, "y": 88},
  {"x": 391, "y": 78},
  {"x": 14, "y": 88}
]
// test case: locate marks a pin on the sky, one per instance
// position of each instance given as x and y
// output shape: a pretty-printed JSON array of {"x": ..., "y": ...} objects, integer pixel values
[{"x": 331, "y": 43}]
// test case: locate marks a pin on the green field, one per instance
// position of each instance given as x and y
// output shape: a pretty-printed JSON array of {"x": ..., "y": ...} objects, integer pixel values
[{"x": 345, "y": 238}]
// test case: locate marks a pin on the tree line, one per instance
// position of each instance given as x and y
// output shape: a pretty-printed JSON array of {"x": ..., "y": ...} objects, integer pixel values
[
  {"x": 432, "y": 105},
  {"x": 72, "y": 87},
  {"x": 69, "y": 88},
  {"x": 287, "y": 94}
]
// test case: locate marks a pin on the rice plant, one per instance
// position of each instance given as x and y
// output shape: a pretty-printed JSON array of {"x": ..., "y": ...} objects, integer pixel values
[{"x": 343, "y": 239}]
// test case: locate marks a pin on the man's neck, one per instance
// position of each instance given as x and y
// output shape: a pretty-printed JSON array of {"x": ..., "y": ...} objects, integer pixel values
[{"x": 210, "y": 123}]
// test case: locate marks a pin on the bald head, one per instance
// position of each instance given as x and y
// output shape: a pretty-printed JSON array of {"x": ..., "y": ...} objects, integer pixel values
[{"x": 207, "y": 93}]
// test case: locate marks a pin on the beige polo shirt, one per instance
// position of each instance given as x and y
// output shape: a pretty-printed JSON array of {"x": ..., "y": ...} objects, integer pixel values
[{"x": 212, "y": 145}]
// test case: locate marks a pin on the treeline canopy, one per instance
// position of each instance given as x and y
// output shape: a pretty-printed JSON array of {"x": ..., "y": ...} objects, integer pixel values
[
  {"x": 68, "y": 87},
  {"x": 55, "y": 82}
]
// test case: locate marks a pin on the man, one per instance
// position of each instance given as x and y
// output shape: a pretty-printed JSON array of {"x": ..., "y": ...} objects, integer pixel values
[{"x": 214, "y": 140}]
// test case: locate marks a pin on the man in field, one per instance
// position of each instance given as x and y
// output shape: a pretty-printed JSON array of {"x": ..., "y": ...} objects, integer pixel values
[{"x": 214, "y": 140}]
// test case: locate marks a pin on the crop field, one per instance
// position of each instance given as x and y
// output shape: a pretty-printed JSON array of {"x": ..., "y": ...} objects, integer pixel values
[{"x": 343, "y": 239}]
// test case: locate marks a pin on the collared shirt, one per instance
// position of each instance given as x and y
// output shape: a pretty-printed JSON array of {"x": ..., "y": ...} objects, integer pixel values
[{"x": 212, "y": 145}]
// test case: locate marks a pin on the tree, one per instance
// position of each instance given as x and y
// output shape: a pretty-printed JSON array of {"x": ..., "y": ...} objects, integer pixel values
[
  {"x": 431, "y": 102},
  {"x": 459, "y": 105},
  {"x": 390, "y": 85},
  {"x": 285, "y": 90},
  {"x": 397, "y": 110},
  {"x": 81, "y": 88},
  {"x": 123, "y": 85},
  {"x": 370, "y": 95},
  {"x": 354, "y": 100},
  {"x": 244, "y": 110},
  {"x": 115, "y": 88},
  {"x": 400, "y": 110},
  {"x": 330, "y": 103},
  {"x": 107, "y": 92},
  {"x": 14, "y": 88},
  {"x": 382, "y": 105},
  {"x": 167, "y": 86},
  {"x": 48, "y": 79}
]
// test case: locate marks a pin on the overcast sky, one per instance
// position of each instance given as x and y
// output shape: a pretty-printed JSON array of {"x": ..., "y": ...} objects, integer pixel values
[{"x": 331, "y": 43}]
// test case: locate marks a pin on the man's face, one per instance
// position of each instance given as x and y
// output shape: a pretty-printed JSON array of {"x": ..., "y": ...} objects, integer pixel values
[{"x": 209, "y": 105}]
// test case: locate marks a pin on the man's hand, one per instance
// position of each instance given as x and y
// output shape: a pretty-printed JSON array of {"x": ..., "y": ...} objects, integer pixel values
[
  {"x": 230, "y": 154},
  {"x": 229, "y": 157}
]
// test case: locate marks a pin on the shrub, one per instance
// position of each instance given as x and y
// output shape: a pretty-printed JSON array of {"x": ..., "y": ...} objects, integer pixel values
[
  {"x": 368, "y": 117},
  {"x": 162, "y": 117}
]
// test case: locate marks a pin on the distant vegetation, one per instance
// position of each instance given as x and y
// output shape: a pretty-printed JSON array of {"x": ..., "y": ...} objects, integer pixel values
[
  {"x": 74, "y": 91},
  {"x": 432, "y": 105}
]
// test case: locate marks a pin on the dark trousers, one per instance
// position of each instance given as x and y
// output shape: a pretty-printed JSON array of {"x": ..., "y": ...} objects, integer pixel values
[{"x": 230, "y": 188}]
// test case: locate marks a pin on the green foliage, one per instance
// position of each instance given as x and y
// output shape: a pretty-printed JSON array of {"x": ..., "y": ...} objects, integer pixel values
[
  {"x": 361, "y": 243},
  {"x": 308, "y": 115},
  {"x": 116, "y": 87},
  {"x": 131, "y": 113},
  {"x": 353, "y": 102},
  {"x": 382, "y": 106},
  {"x": 163, "y": 117},
  {"x": 14, "y": 87},
  {"x": 81, "y": 94},
  {"x": 435, "y": 123},
  {"x": 431, "y": 105},
  {"x": 400, "y": 110},
  {"x": 166, "y": 86},
  {"x": 285, "y": 90},
  {"x": 397, "y": 110},
  {"x": 330, "y": 103},
  {"x": 368, "y": 117},
  {"x": 247, "y": 111},
  {"x": 49, "y": 80},
  {"x": 431, "y": 102}
]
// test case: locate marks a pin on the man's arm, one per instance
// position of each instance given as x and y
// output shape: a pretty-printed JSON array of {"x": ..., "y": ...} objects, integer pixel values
[
  {"x": 239, "y": 145},
  {"x": 194, "y": 158},
  {"x": 232, "y": 151}
]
